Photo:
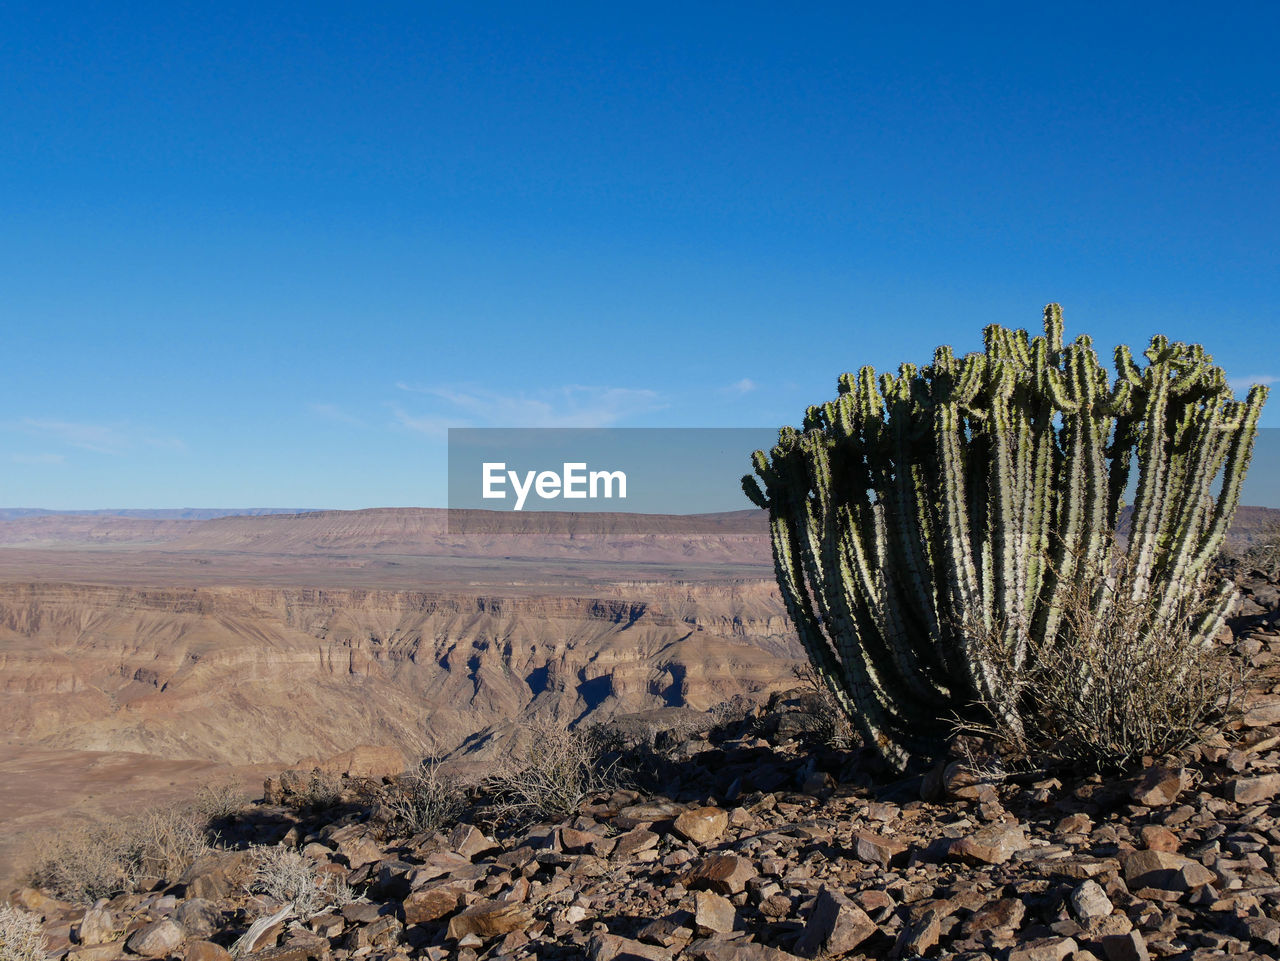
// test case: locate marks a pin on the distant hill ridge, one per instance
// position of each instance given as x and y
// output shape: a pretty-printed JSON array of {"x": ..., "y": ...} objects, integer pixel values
[{"x": 147, "y": 513}]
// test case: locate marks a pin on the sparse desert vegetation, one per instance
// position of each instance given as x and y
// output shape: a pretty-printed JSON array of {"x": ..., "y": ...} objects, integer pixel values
[
  {"x": 21, "y": 935},
  {"x": 550, "y": 771},
  {"x": 1113, "y": 688},
  {"x": 112, "y": 854},
  {"x": 1260, "y": 554},
  {"x": 291, "y": 879},
  {"x": 762, "y": 840},
  {"x": 427, "y": 798}
]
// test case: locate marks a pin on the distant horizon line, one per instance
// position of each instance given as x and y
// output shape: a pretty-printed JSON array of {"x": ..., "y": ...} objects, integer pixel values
[
  {"x": 11, "y": 513},
  {"x": 209, "y": 513}
]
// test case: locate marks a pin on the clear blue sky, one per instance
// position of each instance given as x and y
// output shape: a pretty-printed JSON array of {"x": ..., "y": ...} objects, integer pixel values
[{"x": 262, "y": 255}]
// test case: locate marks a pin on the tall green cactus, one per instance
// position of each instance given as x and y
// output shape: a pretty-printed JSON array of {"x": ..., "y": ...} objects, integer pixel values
[{"x": 917, "y": 511}]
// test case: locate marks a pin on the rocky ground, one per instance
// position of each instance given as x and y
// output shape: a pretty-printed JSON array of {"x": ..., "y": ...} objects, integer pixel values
[{"x": 762, "y": 846}]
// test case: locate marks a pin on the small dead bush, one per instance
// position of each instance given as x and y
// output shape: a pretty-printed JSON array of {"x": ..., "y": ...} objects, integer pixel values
[
  {"x": 1119, "y": 685},
  {"x": 21, "y": 935},
  {"x": 425, "y": 799},
  {"x": 551, "y": 771},
  {"x": 291, "y": 879},
  {"x": 219, "y": 802},
  {"x": 833, "y": 730},
  {"x": 1261, "y": 554},
  {"x": 323, "y": 790},
  {"x": 103, "y": 858},
  {"x": 82, "y": 863},
  {"x": 167, "y": 840},
  {"x": 643, "y": 758}
]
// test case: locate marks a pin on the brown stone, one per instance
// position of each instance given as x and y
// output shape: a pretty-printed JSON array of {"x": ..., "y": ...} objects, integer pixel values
[
  {"x": 994, "y": 844},
  {"x": 430, "y": 904},
  {"x": 1004, "y": 915},
  {"x": 877, "y": 849},
  {"x": 97, "y": 952},
  {"x": 716, "y": 950},
  {"x": 216, "y": 875},
  {"x": 96, "y": 927},
  {"x": 1158, "y": 838},
  {"x": 1264, "y": 712},
  {"x": 1252, "y": 790},
  {"x": 1125, "y": 947},
  {"x": 156, "y": 939},
  {"x": 489, "y": 919},
  {"x": 962, "y": 781},
  {"x": 469, "y": 842},
  {"x": 633, "y": 842},
  {"x": 713, "y": 914},
  {"x": 835, "y": 926},
  {"x": 873, "y": 901},
  {"x": 1158, "y": 786},
  {"x": 1045, "y": 949},
  {"x": 1074, "y": 824},
  {"x": 205, "y": 951},
  {"x": 1165, "y": 871},
  {"x": 611, "y": 947},
  {"x": 367, "y": 760},
  {"x": 702, "y": 825},
  {"x": 921, "y": 934},
  {"x": 199, "y": 917},
  {"x": 584, "y": 842},
  {"x": 1264, "y": 929},
  {"x": 721, "y": 873},
  {"x": 361, "y": 912},
  {"x": 1090, "y": 902}
]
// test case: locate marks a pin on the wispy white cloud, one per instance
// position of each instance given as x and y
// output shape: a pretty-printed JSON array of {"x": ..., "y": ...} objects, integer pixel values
[
  {"x": 423, "y": 423},
  {"x": 744, "y": 386},
  {"x": 575, "y": 405},
  {"x": 37, "y": 459},
  {"x": 112, "y": 439},
  {"x": 1244, "y": 383},
  {"x": 336, "y": 414}
]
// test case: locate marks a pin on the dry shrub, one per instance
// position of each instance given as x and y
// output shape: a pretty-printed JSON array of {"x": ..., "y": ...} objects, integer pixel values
[
  {"x": 290, "y": 879},
  {"x": 21, "y": 935},
  {"x": 1119, "y": 684},
  {"x": 425, "y": 799},
  {"x": 323, "y": 790},
  {"x": 643, "y": 758},
  {"x": 1261, "y": 554},
  {"x": 85, "y": 862},
  {"x": 112, "y": 855},
  {"x": 168, "y": 840},
  {"x": 550, "y": 772},
  {"x": 834, "y": 730},
  {"x": 219, "y": 802}
]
